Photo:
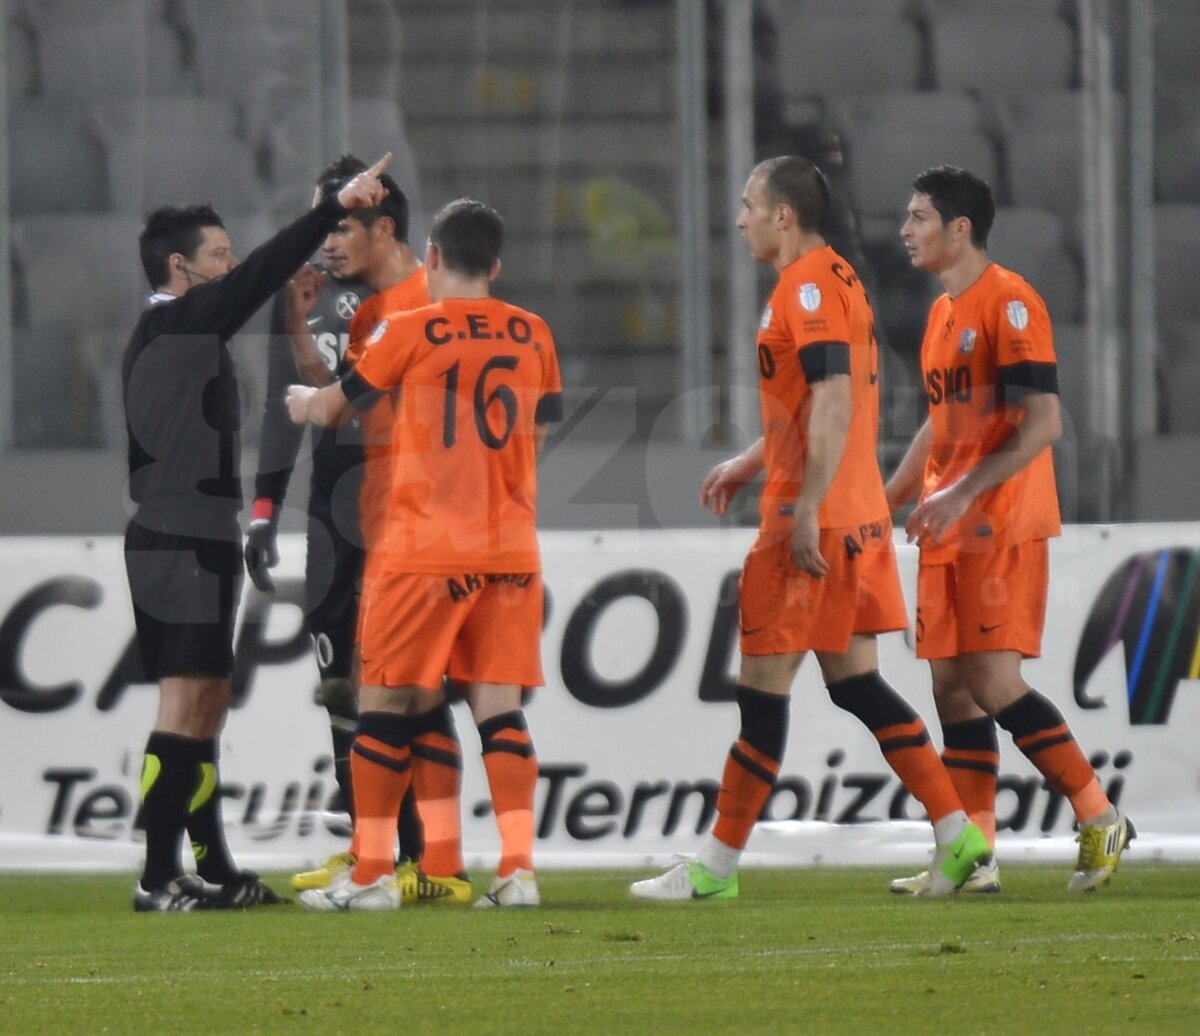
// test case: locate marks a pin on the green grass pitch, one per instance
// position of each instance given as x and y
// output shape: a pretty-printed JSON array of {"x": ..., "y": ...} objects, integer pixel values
[{"x": 802, "y": 951}]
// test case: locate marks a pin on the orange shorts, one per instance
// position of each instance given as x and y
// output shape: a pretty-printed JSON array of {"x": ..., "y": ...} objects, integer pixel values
[
  {"x": 783, "y": 610},
  {"x": 419, "y": 627},
  {"x": 984, "y": 602}
]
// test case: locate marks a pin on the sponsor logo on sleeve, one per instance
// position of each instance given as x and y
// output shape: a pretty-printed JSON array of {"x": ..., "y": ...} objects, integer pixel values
[
  {"x": 1017, "y": 314},
  {"x": 379, "y": 331},
  {"x": 765, "y": 321},
  {"x": 810, "y": 297}
]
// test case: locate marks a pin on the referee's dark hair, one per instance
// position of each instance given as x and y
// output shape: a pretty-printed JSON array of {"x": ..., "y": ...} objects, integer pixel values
[
  {"x": 796, "y": 182},
  {"x": 469, "y": 235},
  {"x": 172, "y": 229},
  {"x": 956, "y": 192}
]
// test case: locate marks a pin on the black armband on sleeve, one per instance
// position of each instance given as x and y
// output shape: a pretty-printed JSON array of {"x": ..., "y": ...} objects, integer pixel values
[
  {"x": 358, "y": 390},
  {"x": 549, "y": 408},
  {"x": 822, "y": 360},
  {"x": 1015, "y": 380}
]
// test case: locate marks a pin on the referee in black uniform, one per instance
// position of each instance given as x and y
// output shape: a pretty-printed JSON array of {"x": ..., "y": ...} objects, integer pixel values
[{"x": 183, "y": 553}]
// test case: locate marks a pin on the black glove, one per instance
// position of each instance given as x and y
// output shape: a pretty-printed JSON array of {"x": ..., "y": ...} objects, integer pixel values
[{"x": 262, "y": 553}]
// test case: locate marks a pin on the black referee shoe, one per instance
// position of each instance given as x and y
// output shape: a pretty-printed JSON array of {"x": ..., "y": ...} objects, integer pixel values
[
  {"x": 187, "y": 892},
  {"x": 243, "y": 891}
]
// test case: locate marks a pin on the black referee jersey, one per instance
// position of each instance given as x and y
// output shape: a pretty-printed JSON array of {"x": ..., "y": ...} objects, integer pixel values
[{"x": 182, "y": 407}]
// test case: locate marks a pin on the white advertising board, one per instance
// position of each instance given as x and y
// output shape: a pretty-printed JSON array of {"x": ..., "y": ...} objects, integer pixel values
[{"x": 631, "y": 730}]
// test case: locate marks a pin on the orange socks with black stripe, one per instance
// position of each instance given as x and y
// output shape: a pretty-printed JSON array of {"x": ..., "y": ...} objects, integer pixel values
[
  {"x": 381, "y": 770},
  {"x": 512, "y": 772},
  {"x": 437, "y": 781},
  {"x": 903, "y": 738},
  {"x": 971, "y": 754},
  {"x": 751, "y": 769},
  {"x": 1041, "y": 733}
]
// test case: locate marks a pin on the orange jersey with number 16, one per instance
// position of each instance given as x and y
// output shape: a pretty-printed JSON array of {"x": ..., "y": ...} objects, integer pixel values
[{"x": 476, "y": 377}]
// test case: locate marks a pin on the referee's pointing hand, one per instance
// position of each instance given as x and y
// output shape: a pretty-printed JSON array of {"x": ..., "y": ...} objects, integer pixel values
[{"x": 365, "y": 191}]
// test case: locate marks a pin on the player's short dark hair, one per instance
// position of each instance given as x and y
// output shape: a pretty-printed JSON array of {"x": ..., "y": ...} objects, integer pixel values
[
  {"x": 797, "y": 182},
  {"x": 956, "y": 192},
  {"x": 341, "y": 169},
  {"x": 469, "y": 234},
  {"x": 337, "y": 174},
  {"x": 172, "y": 229}
]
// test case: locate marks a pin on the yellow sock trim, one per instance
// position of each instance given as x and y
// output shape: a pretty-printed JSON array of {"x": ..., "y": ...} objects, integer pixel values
[
  {"x": 208, "y": 783},
  {"x": 151, "y": 768}
]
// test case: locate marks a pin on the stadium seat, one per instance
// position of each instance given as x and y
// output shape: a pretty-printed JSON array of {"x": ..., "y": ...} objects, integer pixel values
[
  {"x": 951, "y": 109},
  {"x": 1177, "y": 258},
  {"x": 57, "y": 162},
  {"x": 164, "y": 116},
  {"x": 1177, "y": 148},
  {"x": 181, "y": 168},
  {"x": 260, "y": 54},
  {"x": 55, "y": 401},
  {"x": 110, "y": 56},
  {"x": 1180, "y": 364},
  {"x": 80, "y": 267},
  {"x": 1045, "y": 170},
  {"x": 1071, "y": 347},
  {"x": 1044, "y": 140},
  {"x": 486, "y": 145},
  {"x": 883, "y": 158},
  {"x": 1032, "y": 242},
  {"x": 22, "y": 57},
  {"x": 842, "y": 54},
  {"x": 779, "y": 9},
  {"x": 999, "y": 48}
]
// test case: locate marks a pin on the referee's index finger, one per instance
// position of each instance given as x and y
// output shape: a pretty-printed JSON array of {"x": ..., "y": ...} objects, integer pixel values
[{"x": 381, "y": 164}]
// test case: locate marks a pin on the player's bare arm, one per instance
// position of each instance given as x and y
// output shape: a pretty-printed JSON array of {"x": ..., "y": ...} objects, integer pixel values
[
  {"x": 905, "y": 484},
  {"x": 721, "y": 484},
  {"x": 1040, "y": 426},
  {"x": 302, "y": 293},
  {"x": 828, "y": 429},
  {"x": 319, "y": 406}
]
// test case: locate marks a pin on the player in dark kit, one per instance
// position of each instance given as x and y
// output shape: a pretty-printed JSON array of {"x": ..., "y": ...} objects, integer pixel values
[
  {"x": 335, "y": 545},
  {"x": 183, "y": 552}
]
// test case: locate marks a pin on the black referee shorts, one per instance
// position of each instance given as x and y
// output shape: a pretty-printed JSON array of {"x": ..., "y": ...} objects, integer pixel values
[{"x": 185, "y": 591}]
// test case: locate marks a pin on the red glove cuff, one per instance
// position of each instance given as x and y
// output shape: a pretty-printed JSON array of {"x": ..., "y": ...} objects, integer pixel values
[{"x": 262, "y": 510}]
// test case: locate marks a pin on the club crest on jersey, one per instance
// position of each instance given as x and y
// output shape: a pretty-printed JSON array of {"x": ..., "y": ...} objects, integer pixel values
[
  {"x": 347, "y": 304},
  {"x": 810, "y": 297},
  {"x": 765, "y": 320},
  {"x": 966, "y": 341},
  {"x": 378, "y": 333},
  {"x": 1017, "y": 314}
]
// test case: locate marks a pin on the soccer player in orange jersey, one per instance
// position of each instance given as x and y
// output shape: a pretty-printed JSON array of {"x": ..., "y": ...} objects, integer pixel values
[
  {"x": 982, "y": 467},
  {"x": 372, "y": 248},
  {"x": 822, "y": 575},
  {"x": 456, "y": 591}
]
